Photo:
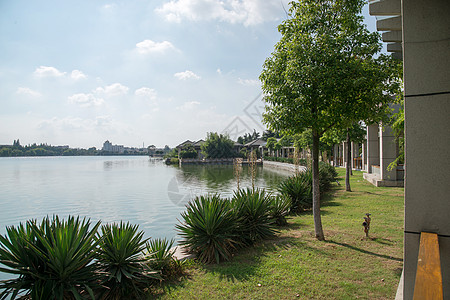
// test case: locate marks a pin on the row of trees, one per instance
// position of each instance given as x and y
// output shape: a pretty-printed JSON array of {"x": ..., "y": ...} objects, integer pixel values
[
  {"x": 17, "y": 150},
  {"x": 325, "y": 73}
]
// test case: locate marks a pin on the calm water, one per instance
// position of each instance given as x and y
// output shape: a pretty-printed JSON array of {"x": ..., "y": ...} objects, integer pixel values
[{"x": 137, "y": 189}]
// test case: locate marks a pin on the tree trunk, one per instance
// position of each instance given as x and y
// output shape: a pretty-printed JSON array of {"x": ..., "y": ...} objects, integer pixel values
[
  {"x": 316, "y": 190},
  {"x": 349, "y": 163}
]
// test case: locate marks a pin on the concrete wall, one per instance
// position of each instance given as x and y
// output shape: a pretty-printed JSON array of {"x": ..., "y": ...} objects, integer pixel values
[{"x": 426, "y": 58}]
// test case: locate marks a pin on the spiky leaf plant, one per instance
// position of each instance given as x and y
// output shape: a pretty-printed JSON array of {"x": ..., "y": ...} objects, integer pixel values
[
  {"x": 208, "y": 228},
  {"x": 253, "y": 210},
  {"x": 122, "y": 262},
  {"x": 53, "y": 260},
  {"x": 161, "y": 258},
  {"x": 280, "y": 208},
  {"x": 299, "y": 189}
]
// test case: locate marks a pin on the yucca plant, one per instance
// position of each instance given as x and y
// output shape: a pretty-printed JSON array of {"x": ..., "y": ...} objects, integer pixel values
[
  {"x": 299, "y": 189},
  {"x": 327, "y": 175},
  {"x": 208, "y": 228},
  {"x": 161, "y": 258},
  {"x": 53, "y": 260},
  {"x": 280, "y": 207},
  {"x": 121, "y": 259},
  {"x": 253, "y": 210}
]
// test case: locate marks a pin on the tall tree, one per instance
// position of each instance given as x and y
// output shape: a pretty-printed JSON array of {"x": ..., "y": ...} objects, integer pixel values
[
  {"x": 322, "y": 75},
  {"x": 218, "y": 146}
]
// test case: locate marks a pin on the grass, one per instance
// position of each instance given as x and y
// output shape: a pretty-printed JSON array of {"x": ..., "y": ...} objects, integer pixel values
[{"x": 294, "y": 265}]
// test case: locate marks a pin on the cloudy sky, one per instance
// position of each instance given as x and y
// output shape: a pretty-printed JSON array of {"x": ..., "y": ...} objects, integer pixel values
[{"x": 155, "y": 72}]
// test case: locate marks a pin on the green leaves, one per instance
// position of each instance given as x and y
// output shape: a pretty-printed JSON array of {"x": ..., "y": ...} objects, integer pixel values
[
  {"x": 52, "y": 260},
  {"x": 120, "y": 256},
  {"x": 253, "y": 212},
  {"x": 70, "y": 259},
  {"x": 208, "y": 229}
]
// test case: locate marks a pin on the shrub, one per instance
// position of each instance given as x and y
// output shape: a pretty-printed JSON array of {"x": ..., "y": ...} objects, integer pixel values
[
  {"x": 208, "y": 229},
  {"x": 53, "y": 260},
  {"x": 280, "y": 208},
  {"x": 160, "y": 255},
  {"x": 121, "y": 259},
  {"x": 299, "y": 189},
  {"x": 253, "y": 212},
  {"x": 327, "y": 174}
]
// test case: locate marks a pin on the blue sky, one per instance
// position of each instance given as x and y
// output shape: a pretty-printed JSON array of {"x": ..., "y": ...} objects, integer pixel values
[{"x": 155, "y": 72}]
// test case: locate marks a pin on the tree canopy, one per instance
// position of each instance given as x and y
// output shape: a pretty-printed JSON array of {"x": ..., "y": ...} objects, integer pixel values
[
  {"x": 218, "y": 146},
  {"x": 323, "y": 74}
]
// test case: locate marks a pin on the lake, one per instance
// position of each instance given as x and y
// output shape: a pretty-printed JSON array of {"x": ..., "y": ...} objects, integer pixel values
[{"x": 137, "y": 189}]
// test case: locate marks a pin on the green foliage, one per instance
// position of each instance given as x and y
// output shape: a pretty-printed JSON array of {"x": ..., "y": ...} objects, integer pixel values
[
  {"x": 398, "y": 126},
  {"x": 188, "y": 151},
  {"x": 172, "y": 154},
  {"x": 52, "y": 260},
  {"x": 248, "y": 137},
  {"x": 323, "y": 74},
  {"x": 253, "y": 212},
  {"x": 218, "y": 146},
  {"x": 271, "y": 141},
  {"x": 121, "y": 258},
  {"x": 299, "y": 187},
  {"x": 208, "y": 228},
  {"x": 280, "y": 208},
  {"x": 160, "y": 258}
]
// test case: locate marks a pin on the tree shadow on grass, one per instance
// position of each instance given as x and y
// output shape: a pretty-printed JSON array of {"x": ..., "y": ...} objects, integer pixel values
[
  {"x": 365, "y": 251},
  {"x": 383, "y": 241}
]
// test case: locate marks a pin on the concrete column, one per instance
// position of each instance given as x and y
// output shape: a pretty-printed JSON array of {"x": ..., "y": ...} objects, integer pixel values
[
  {"x": 388, "y": 153},
  {"x": 426, "y": 63},
  {"x": 344, "y": 152},
  {"x": 363, "y": 156},
  {"x": 373, "y": 150},
  {"x": 335, "y": 154}
]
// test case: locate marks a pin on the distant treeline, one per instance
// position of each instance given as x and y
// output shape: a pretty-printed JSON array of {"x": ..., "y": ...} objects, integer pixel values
[{"x": 47, "y": 150}]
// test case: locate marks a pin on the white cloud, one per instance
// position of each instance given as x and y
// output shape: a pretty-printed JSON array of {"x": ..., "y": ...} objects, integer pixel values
[
  {"x": 100, "y": 123},
  {"x": 186, "y": 75},
  {"x": 146, "y": 93},
  {"x": 77, "y": 74},
  {"x": 149, "y": 46},
  {"x": 249, "y": 82},
  {"x": 219, "y": 71},
  {"x": 188, "y": 105},
  {"x": 85, "y": 100},
  {"x": 247, "y": 12},
  {"x": 44, "y": 71},
  {"x": 28, "y": 92},
  {"x": 113, "y": 90}
]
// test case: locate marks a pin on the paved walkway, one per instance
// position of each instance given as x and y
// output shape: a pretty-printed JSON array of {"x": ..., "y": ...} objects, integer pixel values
[{"x": 283, "y": 166}]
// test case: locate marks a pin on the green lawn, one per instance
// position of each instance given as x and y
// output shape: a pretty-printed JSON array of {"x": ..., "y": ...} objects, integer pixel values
[{"x": 295, "y": 265}]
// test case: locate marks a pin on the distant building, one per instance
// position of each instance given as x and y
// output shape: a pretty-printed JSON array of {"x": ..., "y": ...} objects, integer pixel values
[{"x": 109, "y": 147}]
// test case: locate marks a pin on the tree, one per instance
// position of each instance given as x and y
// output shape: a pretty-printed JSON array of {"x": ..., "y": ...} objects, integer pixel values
[
  {"x": 322, "y": 75},
  {"x": 218, "y": 146},
  {"x": 271, "y": 141},
  {"x": 188, "y": 151}
]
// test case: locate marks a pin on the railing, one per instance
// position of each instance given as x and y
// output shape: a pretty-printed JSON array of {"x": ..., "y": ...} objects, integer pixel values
[
  {"x": 357, "y": 163},
  {"x": 428, "y": 283}
]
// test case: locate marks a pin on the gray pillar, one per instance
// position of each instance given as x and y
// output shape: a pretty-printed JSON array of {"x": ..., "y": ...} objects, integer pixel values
[
  {"x": 373, "y": 151},
  {"x": 388, "y": 153},
  {"x": 363, "y": 156},
  {"x": 426, "y": 63},
  {"x": 335, "y": 154}
]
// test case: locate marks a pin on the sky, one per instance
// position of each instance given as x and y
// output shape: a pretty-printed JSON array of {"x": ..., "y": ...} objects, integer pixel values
[{"x": 135, "y": 73}]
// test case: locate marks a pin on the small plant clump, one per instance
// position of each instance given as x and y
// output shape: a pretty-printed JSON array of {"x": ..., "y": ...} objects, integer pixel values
[
  {"x": 214, "y": 228},
  {"x": 299, "y": 187},
  {"x": 70, "y": 259}
]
